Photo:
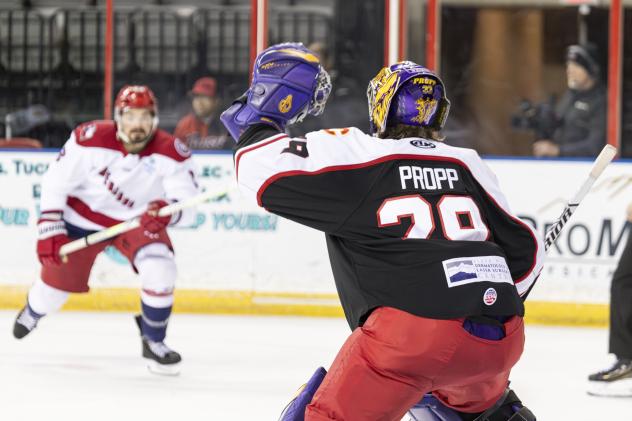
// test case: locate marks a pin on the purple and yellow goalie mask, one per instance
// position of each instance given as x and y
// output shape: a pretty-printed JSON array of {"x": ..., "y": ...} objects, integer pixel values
[{"x": 406, "y": 93}]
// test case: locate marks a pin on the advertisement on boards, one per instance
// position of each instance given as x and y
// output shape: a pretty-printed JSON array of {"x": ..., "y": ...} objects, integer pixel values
[{"x": 235, "y": 245}]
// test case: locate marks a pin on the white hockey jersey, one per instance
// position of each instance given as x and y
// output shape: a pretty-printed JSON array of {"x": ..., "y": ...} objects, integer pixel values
[{"x": 97, "y": 184}]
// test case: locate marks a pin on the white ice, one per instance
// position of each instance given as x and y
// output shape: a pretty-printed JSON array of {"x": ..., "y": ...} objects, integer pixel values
[{"x": 87, "y": 366}]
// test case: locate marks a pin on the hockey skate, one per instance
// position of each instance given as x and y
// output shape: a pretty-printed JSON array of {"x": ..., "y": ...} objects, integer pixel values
[
  {"x": 159, "y": 357},
  {"x": 25, "y": 322},
  {"x": 615, "y": 381}
]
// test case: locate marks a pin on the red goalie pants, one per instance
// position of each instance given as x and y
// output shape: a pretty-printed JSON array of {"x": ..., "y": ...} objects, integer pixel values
[
  {"x": 73, "y": 275},
  {"x": 387, "y": 365}
]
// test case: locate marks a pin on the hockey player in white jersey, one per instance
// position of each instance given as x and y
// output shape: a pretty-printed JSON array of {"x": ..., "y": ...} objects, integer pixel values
[
  {"x": 106, "y": 173},
  {"x": 430, "y": 265}
]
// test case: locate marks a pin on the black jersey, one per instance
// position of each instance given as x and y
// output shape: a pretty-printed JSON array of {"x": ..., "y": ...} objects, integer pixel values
[{"x": 410, "y": 223}]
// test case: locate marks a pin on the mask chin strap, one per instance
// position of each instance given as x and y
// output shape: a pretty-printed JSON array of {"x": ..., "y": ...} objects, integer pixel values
[{"x": 124, "y": 138}]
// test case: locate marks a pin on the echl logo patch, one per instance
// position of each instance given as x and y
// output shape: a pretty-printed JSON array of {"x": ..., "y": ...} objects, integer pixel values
[
  {"x": 422, "y": 144},
  {"x": 182, "y": 149},
  {"x": 490, "y": 296}
]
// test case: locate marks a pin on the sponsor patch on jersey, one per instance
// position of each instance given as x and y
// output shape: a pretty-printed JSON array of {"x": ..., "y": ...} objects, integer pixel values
[
  {"x": 87, "y": 132},
  {"x": 490, "y": 296},
  {"x": 182, "y": 149},
  {"x": 467, "y": 270},
  {"x": 423, "y": 144}
]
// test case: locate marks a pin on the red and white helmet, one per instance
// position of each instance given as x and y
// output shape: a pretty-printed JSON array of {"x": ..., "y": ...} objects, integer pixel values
[{"x": 134, "y": 96}]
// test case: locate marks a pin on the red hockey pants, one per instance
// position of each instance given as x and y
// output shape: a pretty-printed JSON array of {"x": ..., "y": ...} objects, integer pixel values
[{"x": 387, "y": 365}]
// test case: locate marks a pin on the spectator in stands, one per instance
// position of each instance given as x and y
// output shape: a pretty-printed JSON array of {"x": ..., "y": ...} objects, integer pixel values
[
  {"x": 580, "y": 116},
  {"x": 617, "y": 380},
  {"x": 346, "y": 106},
  {"x": 201, "y": 129},
  {"x": 36, "y": 122}
]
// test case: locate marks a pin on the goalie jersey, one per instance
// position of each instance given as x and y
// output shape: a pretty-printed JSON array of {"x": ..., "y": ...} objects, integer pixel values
[{"x": 410, "y": 223}]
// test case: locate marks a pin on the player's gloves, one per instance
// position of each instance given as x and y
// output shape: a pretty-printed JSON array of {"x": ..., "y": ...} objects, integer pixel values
[
  {"x": 51, "y": 236},
  {"x": 150, "y": 221},
  {"x": 288, "y": 83}
]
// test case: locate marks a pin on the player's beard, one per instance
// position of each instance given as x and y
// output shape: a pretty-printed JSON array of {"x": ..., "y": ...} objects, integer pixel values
[
  {"x": 138, "y": 138},
  {"x": 205, "y": 116}
]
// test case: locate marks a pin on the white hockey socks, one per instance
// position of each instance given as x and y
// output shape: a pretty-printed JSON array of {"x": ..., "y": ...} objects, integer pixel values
[{"x": 44, "y": 299}]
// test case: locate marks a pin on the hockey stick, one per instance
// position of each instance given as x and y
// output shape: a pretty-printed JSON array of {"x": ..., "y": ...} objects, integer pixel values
[
  {"x": 604, "y": 158},
  {"x": 117, "y": 229}
]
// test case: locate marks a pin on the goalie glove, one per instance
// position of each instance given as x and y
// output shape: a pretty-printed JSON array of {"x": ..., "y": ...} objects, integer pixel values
[
  {"x": 288, "y": 83},
  {"x": 51, "y": 236}
]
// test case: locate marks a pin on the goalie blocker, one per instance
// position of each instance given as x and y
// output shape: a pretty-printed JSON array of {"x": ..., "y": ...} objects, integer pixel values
[{"x": 288, "y": 83}]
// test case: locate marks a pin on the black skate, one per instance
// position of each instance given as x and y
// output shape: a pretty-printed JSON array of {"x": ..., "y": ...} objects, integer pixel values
[
  {"x": 615, "y": 381},
  {"x": 24, "y": 324},
  {"x": 160, "y": 358}
]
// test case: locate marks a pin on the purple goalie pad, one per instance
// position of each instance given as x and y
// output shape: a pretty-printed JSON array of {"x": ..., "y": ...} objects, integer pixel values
[
  {"x": 295, "y": 410},
  {"x": 431, "y": 409}
]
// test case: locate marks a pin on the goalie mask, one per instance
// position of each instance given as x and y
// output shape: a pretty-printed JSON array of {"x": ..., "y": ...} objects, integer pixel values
[{"x": 406, "y": 93}]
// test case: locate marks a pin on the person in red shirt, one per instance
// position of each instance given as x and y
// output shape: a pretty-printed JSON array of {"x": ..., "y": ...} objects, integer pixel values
[{"x": 201, "y": 128}]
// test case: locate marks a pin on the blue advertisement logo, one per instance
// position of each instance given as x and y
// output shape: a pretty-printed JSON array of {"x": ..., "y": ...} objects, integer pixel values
[
  {"x": 244, "y": 222},
  {"x": 14, "y": 216}
]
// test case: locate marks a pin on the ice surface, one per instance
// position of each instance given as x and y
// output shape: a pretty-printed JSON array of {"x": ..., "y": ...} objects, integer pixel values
[{"x": 87, "y": 366}]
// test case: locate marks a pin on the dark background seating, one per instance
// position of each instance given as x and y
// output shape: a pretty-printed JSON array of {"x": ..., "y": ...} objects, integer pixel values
[{"x": 51, "y": 52}]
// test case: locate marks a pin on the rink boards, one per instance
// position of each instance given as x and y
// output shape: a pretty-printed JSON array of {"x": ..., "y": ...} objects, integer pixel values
[{"x": 238, "y": 258}]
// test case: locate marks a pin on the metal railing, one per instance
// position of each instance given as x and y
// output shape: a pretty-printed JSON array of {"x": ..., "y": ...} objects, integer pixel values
[{"x": 55, "y": 56}]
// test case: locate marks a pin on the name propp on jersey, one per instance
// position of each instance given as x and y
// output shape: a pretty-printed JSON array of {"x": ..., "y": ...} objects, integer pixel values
[{"x": 427, "y": 178}]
